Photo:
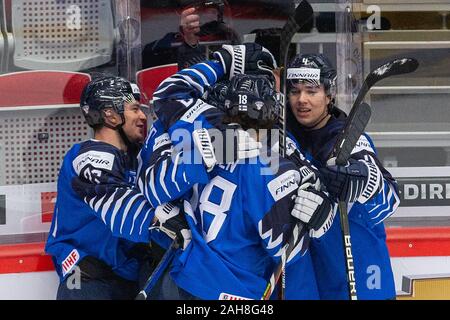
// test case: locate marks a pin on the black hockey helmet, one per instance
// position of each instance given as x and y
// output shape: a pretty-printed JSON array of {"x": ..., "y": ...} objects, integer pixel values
[
  {"x": 253, "y": 96},
  {"x": 313, "y": 69},
  {"x": 107, "y": 92}
]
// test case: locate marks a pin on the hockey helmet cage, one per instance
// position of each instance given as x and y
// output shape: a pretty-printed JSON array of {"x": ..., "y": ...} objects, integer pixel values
[
  {"x": 107, "y": 92},
  {"x": 254, "y": 96}
]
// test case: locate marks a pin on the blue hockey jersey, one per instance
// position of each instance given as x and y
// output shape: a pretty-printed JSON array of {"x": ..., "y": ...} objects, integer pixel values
[
  {"x": 98, "y": 213},
  {"x": 240, "y": 222},
  {"x": 373, "y": 271},
  {"x": 180, "y": 108}
]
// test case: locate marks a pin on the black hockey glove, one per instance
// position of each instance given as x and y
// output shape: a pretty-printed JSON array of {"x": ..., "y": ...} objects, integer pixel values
[
  {"x": 314, "y": 208},
  {"x": 308, "y": 172},
  {"x": 359, "y": 181},
  {"x": 248, "y": 58},
  {"x": 172, "y": 222},
  {"x": 225, "y": 145}
]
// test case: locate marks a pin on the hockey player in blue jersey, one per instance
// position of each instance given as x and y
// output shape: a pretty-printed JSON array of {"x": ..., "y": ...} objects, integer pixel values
[
  {"x": 99, "y": 217},
  {"x": 241, "y": 219},
  {"x": 193, "y": 96},
  {"x": 315, "y": 122}
]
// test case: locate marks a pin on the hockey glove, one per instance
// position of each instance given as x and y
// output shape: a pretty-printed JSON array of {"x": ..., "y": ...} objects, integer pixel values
[
  {"x": 225, "y": 145},
  {"x": 314, "y": 208},
  {"x": 308, "y": 172},
  {"x": 248, "y": 58},
  {"x": 172, "y": 222},
  {"x": 358, "y": 181}
]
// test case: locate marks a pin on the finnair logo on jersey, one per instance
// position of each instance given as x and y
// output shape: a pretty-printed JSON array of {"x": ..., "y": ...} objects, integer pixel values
[
  {"x": 70, "y": 261},
  {"x": 192, "y": 114},
  {"x": 97, "y": 159},
  {"x": 304, "y": 74},
  {"x": 284, "y": 184}
]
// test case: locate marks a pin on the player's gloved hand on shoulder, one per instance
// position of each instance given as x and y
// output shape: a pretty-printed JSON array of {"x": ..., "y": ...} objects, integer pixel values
[
  {"x": 358, "y": 181},
  {"x": 314, "y": 208},
  {"x": 247, "y": 58},
  {"x": 225, "y": 145},
  {"x": 172, "y": 222}
]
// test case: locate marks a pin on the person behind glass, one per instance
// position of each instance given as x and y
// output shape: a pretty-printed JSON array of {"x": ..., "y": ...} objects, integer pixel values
[
  {"x": 99, "y": 235},
  {"x": 367, "y": 187},
  {"x": 191, "y": 51}
]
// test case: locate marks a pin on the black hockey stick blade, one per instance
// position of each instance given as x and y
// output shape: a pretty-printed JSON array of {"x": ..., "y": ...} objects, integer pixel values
[
  {"x": 391, "y": 68},
  {"x": 303, "y": 13},
  {"x": 353, "y": 129}
]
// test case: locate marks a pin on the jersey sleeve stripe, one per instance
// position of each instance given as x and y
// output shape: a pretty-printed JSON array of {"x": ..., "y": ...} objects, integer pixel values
[
  {"x": 127, "y": 210},
  {"x": 162, "y": 175},
  {"x": 117, "y": 207},
  {"x": 136, "y": 214}
]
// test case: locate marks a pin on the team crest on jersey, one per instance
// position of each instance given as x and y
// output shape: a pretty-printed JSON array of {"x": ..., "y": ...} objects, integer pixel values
[
  {"x": 284, "y": 184},
  {"x": 97, "y": 159}
]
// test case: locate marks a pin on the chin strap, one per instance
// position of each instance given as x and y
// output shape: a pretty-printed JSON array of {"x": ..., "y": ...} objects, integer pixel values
[{"x": 317, "y": 122}]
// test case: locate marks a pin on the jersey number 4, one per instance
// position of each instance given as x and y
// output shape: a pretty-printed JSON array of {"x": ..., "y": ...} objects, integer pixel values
[{"x": 218, "y": 208}]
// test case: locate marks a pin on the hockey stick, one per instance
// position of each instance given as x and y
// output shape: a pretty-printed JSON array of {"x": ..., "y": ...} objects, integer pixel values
[
  {"x": 391, "y": 68},
  {"x": 302, "y": 15},
  {"x": 358, "y": 118},
  {"x": 354, "y": 128},
  {"x": 159, "y": 270}
]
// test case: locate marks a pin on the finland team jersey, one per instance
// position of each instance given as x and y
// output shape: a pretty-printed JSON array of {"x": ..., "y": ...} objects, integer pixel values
[
  {"x": 180, "y": 109},
  {"x": 240, "y": 221},
  {"x": 98, "y": 212},
  {"x": 373, "y": 271}
]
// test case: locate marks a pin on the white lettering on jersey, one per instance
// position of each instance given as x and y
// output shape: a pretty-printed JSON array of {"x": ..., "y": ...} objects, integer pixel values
[
  {"x": 193, "y": 113},
  {"x": 97, "y": 159},
  {"x": 162, "y": 140},
  {"x": 362, "y": 144},
  {"x": 70, "y": 261},
  {"x": 227, "y": 296},
  {"x": 284, "y": 184}
]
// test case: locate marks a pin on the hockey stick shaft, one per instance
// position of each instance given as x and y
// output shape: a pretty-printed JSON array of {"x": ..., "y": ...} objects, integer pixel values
[
  {"x": 302, "y": 15},
  {"x": 159, "y": 271},
  {"x": 357, "y": 121},
  {"x": 277, "y": 273},
  {"x": 354, "y": 128}
]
